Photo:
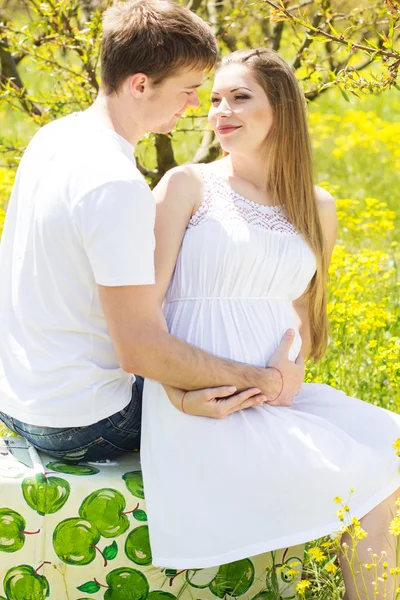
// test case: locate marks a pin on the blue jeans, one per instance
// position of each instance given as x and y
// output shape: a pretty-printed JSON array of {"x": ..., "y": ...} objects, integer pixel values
[{"x": 106, "y": 439}]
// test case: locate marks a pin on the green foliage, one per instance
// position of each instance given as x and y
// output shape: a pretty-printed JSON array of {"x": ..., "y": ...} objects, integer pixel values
[{"x": 49, "y": 54}]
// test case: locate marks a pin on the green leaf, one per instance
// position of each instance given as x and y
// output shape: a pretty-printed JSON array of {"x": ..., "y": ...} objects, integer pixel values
[
  {"x": 320, "y": 38},
  {"x": 139, "y": 515},
  {"x": 110, "y": 552},
  {"x": 345, "y": 96},
  {"x": 90, "y": 587},
  {"x": 331, "y": 27},
  {"x": 391, "y": 34},
  {"x": 170, "y": 572}
]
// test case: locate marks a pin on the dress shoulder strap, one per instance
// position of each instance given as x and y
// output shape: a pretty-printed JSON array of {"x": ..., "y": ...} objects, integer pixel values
[{"x": 208, "y": 195}]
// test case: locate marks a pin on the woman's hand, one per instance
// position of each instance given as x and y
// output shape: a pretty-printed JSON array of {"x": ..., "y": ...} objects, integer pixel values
[{"x": 214, "y": 402}]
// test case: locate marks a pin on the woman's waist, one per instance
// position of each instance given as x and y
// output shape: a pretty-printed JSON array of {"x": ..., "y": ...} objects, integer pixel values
[
  {"x": 226, "y": 298},
  {"x": 248, "y": 331}
]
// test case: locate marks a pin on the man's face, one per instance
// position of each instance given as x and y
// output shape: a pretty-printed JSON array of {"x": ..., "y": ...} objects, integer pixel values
[{"x": 167, "y": 102}]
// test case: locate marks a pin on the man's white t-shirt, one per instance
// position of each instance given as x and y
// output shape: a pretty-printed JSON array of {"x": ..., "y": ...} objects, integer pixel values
[{"x": 80, "y": 214}]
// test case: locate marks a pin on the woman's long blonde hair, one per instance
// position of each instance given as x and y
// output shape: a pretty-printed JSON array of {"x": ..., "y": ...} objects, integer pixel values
[{"x": 289, "y": 171}]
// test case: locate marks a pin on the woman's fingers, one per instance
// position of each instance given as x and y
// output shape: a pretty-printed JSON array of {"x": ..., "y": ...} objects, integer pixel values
[
  {"x": 219, "y": 392},
  {"x": 245, "y": 399},
  {"x": 257, "y": 400},
  {"x": 219, "y": 402}
]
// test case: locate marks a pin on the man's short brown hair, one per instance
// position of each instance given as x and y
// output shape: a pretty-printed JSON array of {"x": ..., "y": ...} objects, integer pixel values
[{"x": 155, "y": 37}]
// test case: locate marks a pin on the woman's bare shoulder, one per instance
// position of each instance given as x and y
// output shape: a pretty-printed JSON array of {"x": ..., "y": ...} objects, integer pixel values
[
  {"x": 183, "y": 183},
  {"x": 324, "y": 198},
  {"x": 327, "y": 213}
]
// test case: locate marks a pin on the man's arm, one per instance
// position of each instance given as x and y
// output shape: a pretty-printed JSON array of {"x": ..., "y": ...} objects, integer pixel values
[
  {"x": 137, "y": 324},
  {"x": 144, "y": 346}
]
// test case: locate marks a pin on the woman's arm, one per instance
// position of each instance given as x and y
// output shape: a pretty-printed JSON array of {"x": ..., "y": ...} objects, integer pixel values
[
  {"x": 328, "y": 217},
  {"x": 178, "y": 196}
]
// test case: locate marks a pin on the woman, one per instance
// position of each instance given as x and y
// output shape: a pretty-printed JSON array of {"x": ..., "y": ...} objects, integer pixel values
[{"x": 243, "y": 247}]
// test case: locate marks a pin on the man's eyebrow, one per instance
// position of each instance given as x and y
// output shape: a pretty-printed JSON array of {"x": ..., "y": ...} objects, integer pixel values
[{"x": 194, "y": 86}]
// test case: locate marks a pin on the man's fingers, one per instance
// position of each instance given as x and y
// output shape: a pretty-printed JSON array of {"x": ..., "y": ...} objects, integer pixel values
[{"x": 286, "y": 342}]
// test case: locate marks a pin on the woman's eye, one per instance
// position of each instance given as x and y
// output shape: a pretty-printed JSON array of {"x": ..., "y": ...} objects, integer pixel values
[
  {"x": 214, "y": 100},
  {"x": 242, "y": 97}
]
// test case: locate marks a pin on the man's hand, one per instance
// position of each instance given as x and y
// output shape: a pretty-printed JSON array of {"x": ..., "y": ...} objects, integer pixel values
[
  {"x": 292, "y": 372},
  {"x": 215, "y": 402}
]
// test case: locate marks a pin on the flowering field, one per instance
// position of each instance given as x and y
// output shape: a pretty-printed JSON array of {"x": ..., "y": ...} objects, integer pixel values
[
  {"x": 357, "y": 155},
  {"x": 357, "y": 152}
]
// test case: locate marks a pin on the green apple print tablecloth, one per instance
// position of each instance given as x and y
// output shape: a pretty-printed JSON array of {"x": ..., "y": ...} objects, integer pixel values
[{"x": 76, "y": 532}]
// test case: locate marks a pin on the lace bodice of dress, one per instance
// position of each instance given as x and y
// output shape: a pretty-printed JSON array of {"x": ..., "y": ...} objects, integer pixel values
[{"x": 224, "y": 203}]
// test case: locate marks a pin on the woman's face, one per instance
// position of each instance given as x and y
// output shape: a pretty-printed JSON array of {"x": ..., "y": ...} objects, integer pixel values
[{"x": 240, "y": 112}]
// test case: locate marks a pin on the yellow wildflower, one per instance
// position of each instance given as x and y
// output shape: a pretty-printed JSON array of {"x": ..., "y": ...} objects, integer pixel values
[
  {"x": 317, "y": 554},
  {"x": 394, "y": 527},
  {"x": 396, "y": 446},
  {"x": 280, "y": 568},
  {"x": 331, "y": 567},
  {"x": 340, "y": 514},
  {"x": 302, "y": 586}
]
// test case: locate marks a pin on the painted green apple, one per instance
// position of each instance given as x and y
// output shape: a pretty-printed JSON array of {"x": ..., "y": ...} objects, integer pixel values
[
  {"x": 12, "y": 530},
  {"x": 292, "y": 564},
  {"x": 137, "y": 546},
  {"x": 134, "y": 483},
  {"x": 104, "y": 508},
  {"x": 161, "y": 596},
  {"x": 23, "y": 583},
  {"x": 75, "y": 540},
  {"x": 233, "y": 579},
  {"x": 70, "y": 469},
  {"x": 201, "y": 578},
  {"x": 270, "y": 595},
  {"x": 126, "y": 584},
  {"x": 44, "y": 494}
]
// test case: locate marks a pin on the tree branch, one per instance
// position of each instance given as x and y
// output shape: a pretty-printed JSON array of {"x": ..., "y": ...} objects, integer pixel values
[
  {"x": 194, "y": 4},
  {"x": 10, "y": 74},
  {"x": 209, "y": 149},
  {"x": 152, "y": 175},
  {"x": 165, "y": 155},
  {"x": 276, "y": 35},
  {"x": 307, "y": 41},
  {"x": 338, "y": 39}
]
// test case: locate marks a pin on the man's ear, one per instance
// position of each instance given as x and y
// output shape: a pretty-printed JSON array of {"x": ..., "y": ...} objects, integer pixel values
[{"x": 138, "y": 85}]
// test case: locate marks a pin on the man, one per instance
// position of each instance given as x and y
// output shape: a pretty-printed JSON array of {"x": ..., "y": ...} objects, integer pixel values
[{"x": 78, "y": 312}]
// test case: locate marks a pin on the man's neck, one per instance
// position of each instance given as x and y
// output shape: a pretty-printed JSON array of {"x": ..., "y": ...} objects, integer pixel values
[{"x": 111, "y": 113}]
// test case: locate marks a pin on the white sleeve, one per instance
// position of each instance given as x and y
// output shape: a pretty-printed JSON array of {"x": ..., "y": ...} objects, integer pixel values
[{"x": 116, "y": 225}]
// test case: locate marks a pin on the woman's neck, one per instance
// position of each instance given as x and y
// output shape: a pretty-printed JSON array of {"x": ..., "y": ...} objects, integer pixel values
[{"x": 249, "y": 168}]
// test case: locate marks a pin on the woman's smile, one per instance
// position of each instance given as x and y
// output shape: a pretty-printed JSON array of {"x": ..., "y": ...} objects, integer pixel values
[{"x": 224, "y": 129}]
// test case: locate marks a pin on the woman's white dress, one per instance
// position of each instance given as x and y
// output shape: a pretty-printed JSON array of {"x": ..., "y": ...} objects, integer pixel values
[{"x": 263, "y": 478}]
